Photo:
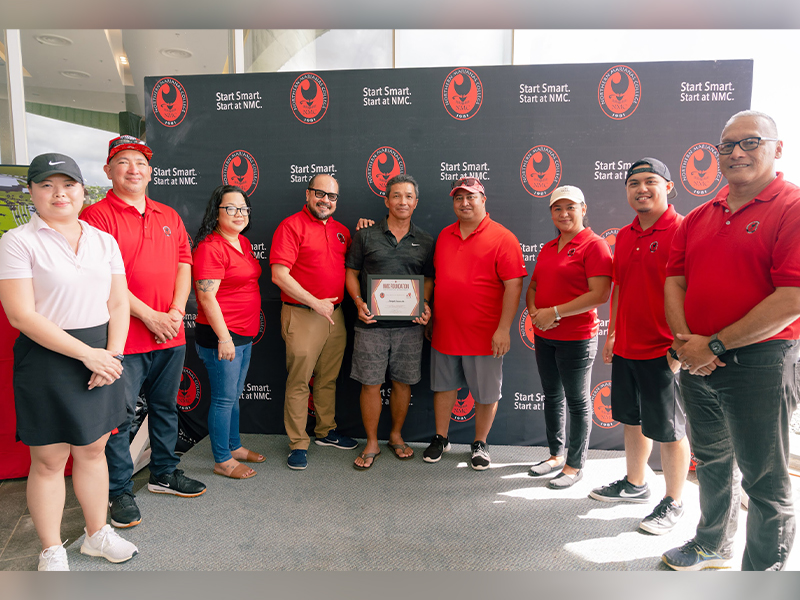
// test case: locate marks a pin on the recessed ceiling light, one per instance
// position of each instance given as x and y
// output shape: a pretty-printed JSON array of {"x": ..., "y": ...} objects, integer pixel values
[
  {"x": 175, "y": 53},
  {"x": 51, "y": 39},
  {"x": 70, "y": 74}
]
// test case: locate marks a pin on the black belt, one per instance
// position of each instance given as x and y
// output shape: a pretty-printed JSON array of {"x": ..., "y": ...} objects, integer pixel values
[{"x": 335, "y": 306}]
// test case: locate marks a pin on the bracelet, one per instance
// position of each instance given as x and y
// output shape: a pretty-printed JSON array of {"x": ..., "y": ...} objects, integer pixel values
[
  {"x": 230, "y": 339},
  {"x": 120, "y": 357},
  {"x": 178, "y": 308},
  {"x": 358, "y": 298},
  {"x": 558, "y": 316}
]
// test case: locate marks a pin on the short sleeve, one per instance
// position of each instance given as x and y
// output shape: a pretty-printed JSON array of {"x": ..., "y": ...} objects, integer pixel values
[
  {"x": 355, "y": 254},
  {"x": 15, "y": 257},
  {"x": 185, "y": 249},
  {"x": 285, "y": 246},
  {"x": 785, "y": 271},
  {"x": 209, "y": 261},
  {"x": 510, "y": 264},
  {"x": 597, "y": 260},
  {"x": 117, "y": 264},
  {"x": 677, "y": 254}
]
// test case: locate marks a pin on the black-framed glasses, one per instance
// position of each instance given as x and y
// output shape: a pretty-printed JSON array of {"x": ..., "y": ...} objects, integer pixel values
[
  {"x": 465, "y": 181},
  {"x": 747, "y": 144},
  {"x": 232, "y": 210},
  {"x": 332, "y": 196}
]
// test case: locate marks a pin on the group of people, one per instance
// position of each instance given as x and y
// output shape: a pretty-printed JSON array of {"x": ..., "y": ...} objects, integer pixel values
[{"x": 705, "y": 317}]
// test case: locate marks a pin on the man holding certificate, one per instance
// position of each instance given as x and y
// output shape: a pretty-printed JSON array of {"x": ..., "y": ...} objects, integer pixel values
[
  {"x": 479, "y": 271},
  {"x": 390, "y": 278}
]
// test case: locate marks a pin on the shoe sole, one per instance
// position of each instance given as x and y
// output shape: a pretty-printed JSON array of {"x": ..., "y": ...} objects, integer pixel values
[
  {"x": 119, "y": 525},
  {"x": 655, "y": 530},
  {"x": 717, "y": 563},
  {"x": 297, "y": 468},
  {"x": 157, "y": 489},
  {"x": 634, "y": 500},
  {"x": 319, "y": 443},
  {"x": 91, "y": 552},
  {"x": 480, "y": 467},
  {"x": 437, "y": 459}
]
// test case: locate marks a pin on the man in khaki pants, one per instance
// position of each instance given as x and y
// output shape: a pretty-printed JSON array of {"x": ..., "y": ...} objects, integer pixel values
[{"x": 307, "y": 261}]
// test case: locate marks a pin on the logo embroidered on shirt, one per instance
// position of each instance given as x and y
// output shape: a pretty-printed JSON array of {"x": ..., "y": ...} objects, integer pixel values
[
  {"x": 653, "y": 246},
  {"x": 752, "y": 226},
  {"x": 167, "y": 231}
]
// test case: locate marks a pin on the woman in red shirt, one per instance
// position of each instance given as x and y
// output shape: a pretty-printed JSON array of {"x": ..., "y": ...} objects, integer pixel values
[
  {"x": 571, "y": 278},
  {"x": 225, "y": 275}
]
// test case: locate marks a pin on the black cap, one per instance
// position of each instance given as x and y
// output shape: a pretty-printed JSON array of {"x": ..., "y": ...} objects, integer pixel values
[
  {"x": 45, "y": 165},
  {"x": 651, "y": 165}
]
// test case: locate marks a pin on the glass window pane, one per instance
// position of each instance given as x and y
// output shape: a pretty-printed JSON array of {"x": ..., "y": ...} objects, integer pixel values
[
  {"x": 446, "y": 48},
  {"x": 6, "y": 143}
]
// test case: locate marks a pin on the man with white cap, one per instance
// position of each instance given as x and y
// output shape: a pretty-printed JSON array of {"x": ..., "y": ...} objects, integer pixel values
[
  {"x": 645, "y": 395},
  {"x": 479, "y": 270}
]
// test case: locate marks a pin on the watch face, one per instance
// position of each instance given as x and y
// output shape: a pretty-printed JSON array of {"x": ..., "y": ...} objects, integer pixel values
[{"x": 716, "y": 347}]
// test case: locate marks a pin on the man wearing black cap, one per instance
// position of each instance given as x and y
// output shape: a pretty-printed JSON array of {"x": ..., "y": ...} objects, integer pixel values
[
  {"x": 156, "y": 251},
  {"x": 733, "y": 301},
  {"x": 479, "y": 270},
  {"x": 645, "y": 395}
]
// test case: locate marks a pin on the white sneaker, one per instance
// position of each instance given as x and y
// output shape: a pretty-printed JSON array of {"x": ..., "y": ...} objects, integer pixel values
[
  {"x": 54, "y": 558},
  {"x": 108, "y": 544}
]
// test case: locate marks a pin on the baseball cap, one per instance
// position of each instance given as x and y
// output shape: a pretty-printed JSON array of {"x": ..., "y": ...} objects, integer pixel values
[
  {"x": 45, "y": 165},
  {"x": 128, "y": 142},
  {"x": 567, "y": 191},
  {"x": 471, "y": 184},
  {"x": 651, "y": 165}
]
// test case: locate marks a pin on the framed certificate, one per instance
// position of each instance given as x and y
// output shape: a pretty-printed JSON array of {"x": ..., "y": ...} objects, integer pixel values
[{"x": 395, "y": 297}]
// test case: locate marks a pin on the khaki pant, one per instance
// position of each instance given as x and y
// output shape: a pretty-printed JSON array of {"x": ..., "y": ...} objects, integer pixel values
[{"x": 313, "y": 347}]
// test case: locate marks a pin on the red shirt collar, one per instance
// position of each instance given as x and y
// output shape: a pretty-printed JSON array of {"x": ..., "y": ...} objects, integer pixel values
[
  {"x": 663, "y": 222},
  {"x": 120, "y": 204},
  {"x": 768, "y": 194}
]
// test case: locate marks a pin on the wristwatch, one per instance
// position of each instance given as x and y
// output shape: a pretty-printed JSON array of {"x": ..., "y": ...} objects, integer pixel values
[
  {"x": 717, "y": 347},
  {"x": 558, "y": 316}
]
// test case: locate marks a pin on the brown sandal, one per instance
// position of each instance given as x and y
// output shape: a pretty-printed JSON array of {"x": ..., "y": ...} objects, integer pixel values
[{"x": 240, "y": 471}]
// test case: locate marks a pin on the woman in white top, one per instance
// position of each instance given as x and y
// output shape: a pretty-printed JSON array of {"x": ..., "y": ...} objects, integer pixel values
[{"x": 62, "y": 284}]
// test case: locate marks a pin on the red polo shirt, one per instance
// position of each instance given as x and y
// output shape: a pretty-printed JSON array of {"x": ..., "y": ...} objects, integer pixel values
[
  {"x": 152, "y": 245},
  {"x": 640, "y": 268},
  {"x": 563, "y": 276},
  {"x": 732, "y": 261},
  {"x": 314, "y": 252},
  {"x": 238, "y": 295},
  {"x": 469, "y": 286}
]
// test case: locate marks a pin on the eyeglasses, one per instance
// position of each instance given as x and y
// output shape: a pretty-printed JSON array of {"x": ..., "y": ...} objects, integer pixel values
[
  {"x": 232, "y": 210},
  {"x": 747, "y": 144},
  {"x": 333, "y": 196},
  {"x": 465, "y": 181}
]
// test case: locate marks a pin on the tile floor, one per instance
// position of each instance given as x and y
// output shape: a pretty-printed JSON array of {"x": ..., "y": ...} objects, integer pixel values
[{"x": 19, "y": 544}]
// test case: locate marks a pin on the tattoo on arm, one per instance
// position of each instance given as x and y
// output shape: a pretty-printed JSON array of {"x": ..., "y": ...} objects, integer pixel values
[{"x": 206, "y": 285}]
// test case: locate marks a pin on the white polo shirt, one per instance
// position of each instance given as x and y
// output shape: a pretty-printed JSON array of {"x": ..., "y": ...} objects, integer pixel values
[{"x": 69, "y": 289}]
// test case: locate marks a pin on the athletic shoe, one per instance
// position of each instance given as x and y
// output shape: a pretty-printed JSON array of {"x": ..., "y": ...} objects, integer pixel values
[
  {"x": 663, "y": 518},
  {"x": 124, "y": 512},
  {"x": 480, "y": 456},
  {"x": 107, "y": 543},
  {"x": 621, "y": 491},
  {"x": 439, "y": 445},
  {"x": 176, "y": 483},
  {"x": 54, "y": 558},
  {"x": 693, "y": 557},
  {"x": 297, "y": 460},
  {"x": 337, "y": 441}
]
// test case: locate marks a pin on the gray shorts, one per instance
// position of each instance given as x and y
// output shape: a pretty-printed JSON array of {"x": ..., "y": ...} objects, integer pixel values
[
  {"x": 398, "y": 348},
  {"x": 483, "y": 375}
]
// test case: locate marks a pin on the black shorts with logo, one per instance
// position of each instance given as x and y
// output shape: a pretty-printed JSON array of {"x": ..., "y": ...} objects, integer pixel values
[{"x": 647, "y": 393}]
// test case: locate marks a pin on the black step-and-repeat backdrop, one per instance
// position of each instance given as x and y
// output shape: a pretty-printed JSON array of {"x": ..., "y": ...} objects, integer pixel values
[{"x": 523, "y": 130}]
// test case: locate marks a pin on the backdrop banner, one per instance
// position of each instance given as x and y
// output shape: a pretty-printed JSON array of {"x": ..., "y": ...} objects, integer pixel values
[{"x": 522, "y": 130}]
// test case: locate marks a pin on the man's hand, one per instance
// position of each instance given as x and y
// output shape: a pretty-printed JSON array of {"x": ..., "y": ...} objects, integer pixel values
[
  {"x": 364, "y": 223},
  {"x": 425, "y": 317},
  {"x": 501, "y": 342},
  {"x": 695, "y": 355},
  {"x": 325, "y": 307},
  {"x": 363, "y": 312},
  {"x": 608, "y": 349},
  {"x": 164, "y": 326}
]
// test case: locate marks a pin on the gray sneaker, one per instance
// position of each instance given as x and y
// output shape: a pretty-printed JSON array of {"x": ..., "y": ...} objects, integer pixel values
[
  {"x": 621, "y": 491},
  {"x": 663, "y": 518},
  {"x": 480, "y": 456}
]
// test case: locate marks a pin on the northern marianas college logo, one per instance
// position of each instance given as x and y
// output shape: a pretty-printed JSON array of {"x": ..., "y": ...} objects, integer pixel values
[
  {"x": 309, "y": 98},
  {"x": 169, "y": 101},
  {"x": 462, "y": 94},
  {"x": 619, "y": 92}
]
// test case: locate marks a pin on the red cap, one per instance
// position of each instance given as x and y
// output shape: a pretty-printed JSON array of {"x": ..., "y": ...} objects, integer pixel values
[
  {"x": 128, "y": 142},
  {"x": 471, "y": 184}
]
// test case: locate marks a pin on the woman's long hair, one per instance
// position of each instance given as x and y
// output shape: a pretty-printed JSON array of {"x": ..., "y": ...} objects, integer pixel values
[{"x": 211, "y": 216}]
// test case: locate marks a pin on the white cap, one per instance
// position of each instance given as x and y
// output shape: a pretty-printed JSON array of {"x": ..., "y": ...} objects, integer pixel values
[{"x": 567, "y": 191}]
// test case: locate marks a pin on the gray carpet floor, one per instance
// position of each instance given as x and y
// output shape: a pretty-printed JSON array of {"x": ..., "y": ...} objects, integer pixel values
[{"x": 398, "y": 515}]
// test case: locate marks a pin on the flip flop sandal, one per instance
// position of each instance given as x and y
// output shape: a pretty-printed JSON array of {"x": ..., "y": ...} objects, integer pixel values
[
  {"x": 253, "y": 457},
  {"x": 403, "y": 446},
  {"x": 366, "y": 456}
]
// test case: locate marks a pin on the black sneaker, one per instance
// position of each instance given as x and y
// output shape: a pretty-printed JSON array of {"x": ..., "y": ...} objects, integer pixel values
[
  {"x": 439, "y": 445},
  {"x": 663, "y": 518},
  {"x": 176, "y": 483},
  {"x": 124, "y": 512},
  {"x": 480, "y": 456},
  {"x": 622, "y": 491}
]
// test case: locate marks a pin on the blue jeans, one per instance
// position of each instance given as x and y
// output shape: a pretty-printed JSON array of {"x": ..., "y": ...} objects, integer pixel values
[
  {"x": 157, "y": 376},
  {"x": 226, "y": 379},
  {"x": 565, "y": 369},
  {"x": 739, "y": 418}
]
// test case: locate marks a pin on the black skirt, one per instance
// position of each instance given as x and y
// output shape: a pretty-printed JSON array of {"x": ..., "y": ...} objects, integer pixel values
[{"x": 51, "y": 396}]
